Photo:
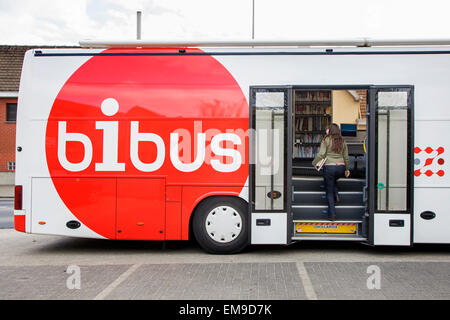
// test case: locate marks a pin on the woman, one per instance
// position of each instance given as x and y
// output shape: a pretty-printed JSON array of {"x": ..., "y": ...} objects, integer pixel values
[{"x": 334, "y": 149}]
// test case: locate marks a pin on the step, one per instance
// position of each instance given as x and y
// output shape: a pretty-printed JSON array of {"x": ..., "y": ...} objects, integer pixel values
[
  {"x": 330, "y": 237},
  {"x": 354, "y": 198},
  {"x": 320, "y": 212},
  {"x": 317, "y": 184},
  {"x": 356, "y": 171},
  {"x": 305, "y": 170},
  {"x": 302, "y": 227}
]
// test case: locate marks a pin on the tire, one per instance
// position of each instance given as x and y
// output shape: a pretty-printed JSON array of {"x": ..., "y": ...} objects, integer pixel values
[{"x": 220, "y": 225}]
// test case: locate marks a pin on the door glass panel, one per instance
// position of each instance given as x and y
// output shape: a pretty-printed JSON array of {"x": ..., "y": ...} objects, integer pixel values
[
  {"x": 392, "y": 151},
  {"x": 269, "y": 152}
]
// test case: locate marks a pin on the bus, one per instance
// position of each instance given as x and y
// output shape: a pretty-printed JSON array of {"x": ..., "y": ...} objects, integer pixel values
[{"x": 214, "y": 140}]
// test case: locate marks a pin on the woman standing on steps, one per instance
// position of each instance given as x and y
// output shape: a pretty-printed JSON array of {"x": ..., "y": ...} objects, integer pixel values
[{"x": 334, "y": 149}]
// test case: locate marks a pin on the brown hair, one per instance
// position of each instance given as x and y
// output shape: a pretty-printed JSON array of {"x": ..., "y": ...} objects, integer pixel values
[{"x": 337, "y": 141}]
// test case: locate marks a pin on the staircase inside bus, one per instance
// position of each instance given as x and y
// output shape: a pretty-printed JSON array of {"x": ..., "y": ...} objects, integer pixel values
[{"x": 310, "y": 206}]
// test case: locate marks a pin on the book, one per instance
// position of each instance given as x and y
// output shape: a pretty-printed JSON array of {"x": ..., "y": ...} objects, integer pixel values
[{"x": 321, "y": 164}]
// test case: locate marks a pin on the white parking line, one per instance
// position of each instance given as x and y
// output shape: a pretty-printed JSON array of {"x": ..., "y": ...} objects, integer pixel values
[
  {"x": 116, "y": 282},
  {"x": 307, "y": 285}
]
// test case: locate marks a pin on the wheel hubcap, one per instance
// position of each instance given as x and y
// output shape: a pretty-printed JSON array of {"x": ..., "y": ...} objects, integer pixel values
[{"x": 223, "y": 224}]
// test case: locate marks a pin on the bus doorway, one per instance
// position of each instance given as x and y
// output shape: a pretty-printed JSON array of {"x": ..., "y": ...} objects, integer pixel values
[
  {"x": 287, "y": 194},
  {"x": 313, "y": 111}
]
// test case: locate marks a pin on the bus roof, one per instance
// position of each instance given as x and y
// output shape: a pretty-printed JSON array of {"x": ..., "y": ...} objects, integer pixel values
[{"x": 363, "y": 42}]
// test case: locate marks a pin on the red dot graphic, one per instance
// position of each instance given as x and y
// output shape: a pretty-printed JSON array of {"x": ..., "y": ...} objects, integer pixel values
[
  {"x": 428, "y": 161},
  {"x": 441, "y": 161}
]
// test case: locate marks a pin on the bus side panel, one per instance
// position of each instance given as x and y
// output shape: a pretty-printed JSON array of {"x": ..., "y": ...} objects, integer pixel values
[
  {"x": 51, "y": 216},
  {"x": 432, "y": 181},
  {"x": 140, "y": 209},
  {"x": 435, "y": 230},
  {"x": 173, "y": 221},
  {"x": 173, "y": 213}
]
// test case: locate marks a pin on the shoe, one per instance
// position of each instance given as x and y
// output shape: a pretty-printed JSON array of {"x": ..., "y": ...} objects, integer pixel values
[{"x": 332, "y": 218}]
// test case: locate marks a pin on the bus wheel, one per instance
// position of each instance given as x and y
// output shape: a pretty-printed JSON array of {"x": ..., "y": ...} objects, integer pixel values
[{"x": 220, "y": 225}]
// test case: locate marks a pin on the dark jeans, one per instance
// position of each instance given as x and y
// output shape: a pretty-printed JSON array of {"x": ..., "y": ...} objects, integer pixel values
[{"x": 330, "y": 175}]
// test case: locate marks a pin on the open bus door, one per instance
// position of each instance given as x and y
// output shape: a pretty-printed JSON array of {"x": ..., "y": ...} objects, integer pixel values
[
  {"x": 390, "y": 165},
  {"x": 270, "y": 165}
]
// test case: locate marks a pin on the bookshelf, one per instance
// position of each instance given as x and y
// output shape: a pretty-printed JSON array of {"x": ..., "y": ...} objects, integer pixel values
[{"x": 312, "y": 115}]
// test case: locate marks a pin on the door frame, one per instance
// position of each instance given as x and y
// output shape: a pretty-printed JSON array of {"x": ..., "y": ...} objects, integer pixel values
[
  {"x": 372, "y": 159},
  {"x": 287, "y": 175}
]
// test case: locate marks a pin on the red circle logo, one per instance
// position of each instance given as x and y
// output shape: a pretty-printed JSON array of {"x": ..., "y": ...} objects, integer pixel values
[{"x": 180, "y": 117}]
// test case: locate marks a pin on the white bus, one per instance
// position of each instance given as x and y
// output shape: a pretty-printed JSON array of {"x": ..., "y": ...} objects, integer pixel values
[{"x": 164, "y": 141}]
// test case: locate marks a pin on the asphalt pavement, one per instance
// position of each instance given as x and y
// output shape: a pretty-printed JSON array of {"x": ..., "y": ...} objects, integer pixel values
[{"x": 54, "y": 267}]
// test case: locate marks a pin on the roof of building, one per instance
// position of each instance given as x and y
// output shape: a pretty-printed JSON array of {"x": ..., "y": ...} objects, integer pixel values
[{"x": 11, "y": 60}]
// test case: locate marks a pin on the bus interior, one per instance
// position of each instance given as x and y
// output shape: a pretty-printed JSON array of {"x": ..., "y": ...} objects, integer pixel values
[{"x": 312, "y": 112}]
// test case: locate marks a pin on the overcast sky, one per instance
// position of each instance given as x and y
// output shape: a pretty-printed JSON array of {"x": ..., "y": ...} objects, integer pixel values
[{"x": 41, "y": 22}]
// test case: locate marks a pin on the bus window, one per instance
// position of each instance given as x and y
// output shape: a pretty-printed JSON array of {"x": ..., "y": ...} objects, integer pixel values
[
  {"x": 270, "y": 118},
  {"x": 392, "y": 151}
]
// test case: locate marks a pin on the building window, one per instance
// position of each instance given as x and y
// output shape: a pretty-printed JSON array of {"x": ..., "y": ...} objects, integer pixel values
[
  {"x": 11, "y": 166},
  {"x": 11, "y": 112}
]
